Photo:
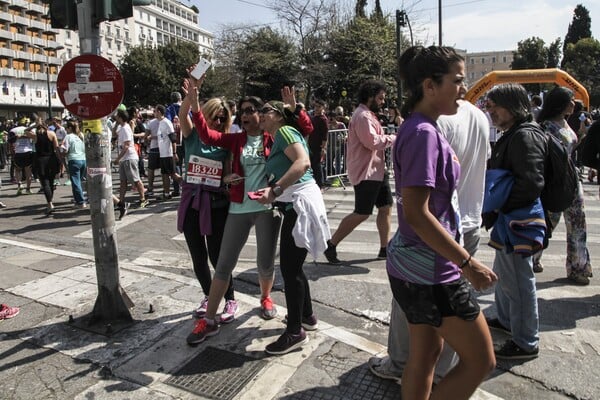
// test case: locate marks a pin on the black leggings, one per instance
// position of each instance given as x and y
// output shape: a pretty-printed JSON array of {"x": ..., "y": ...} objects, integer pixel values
[
  {"x": 47, "y": 168},
  {"x": 291, "y": 260},
  {"x": 204, "y": 247}
]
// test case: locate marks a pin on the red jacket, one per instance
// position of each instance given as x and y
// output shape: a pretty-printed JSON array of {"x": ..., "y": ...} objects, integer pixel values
[{"x": 235, "y": 142}]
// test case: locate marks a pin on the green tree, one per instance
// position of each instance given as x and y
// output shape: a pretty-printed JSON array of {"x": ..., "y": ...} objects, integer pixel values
[
  {"x": 533, "y": 53},
  {"x": 359, "y": 50},
  {"x": 579, "y": 28},
  {"x": 144, "y": 71},
  {"x": 265, "y": 61},
  {"x": 360, "y": 7},
  {"x": 151, "y": 74},
  {"x": 585, "y": 65},
  {"x": 309, "y": 23}
]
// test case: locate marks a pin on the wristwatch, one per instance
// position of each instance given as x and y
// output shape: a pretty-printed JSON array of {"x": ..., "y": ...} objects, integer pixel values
[{"x": 277, "y": 190}]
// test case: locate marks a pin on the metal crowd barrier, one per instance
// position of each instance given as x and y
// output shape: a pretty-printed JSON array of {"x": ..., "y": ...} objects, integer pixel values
[{"x": 335, "y": 166}]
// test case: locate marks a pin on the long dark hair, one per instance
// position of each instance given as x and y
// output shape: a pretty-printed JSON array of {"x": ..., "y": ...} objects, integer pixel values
[
  {"x": 555, "y": 103},
  {"x": 418, "y": 63}
]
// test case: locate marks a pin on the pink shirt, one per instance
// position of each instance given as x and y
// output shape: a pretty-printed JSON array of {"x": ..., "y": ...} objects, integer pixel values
[{"x": 366, "y": 146}]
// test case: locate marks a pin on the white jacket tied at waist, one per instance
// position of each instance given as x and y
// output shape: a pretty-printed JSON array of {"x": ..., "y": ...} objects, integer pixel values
[{"x": 312, "y": 228}]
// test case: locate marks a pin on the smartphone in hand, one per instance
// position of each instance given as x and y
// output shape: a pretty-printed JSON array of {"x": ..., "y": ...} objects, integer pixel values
[
  {"x": 201, "y": 68},
  {"x": 255, "y": 195}
]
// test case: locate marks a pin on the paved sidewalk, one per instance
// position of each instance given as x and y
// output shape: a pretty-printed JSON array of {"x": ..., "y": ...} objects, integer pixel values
[{"x": 43, "y": 356}]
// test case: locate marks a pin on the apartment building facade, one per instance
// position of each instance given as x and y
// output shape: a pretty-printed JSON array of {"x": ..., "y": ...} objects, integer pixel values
[
  {"x": 479, "y": 64},
  {"x": 32, "y": 52}
]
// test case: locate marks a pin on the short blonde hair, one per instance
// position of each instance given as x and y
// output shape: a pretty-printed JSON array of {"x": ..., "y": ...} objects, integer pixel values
[{"x": 214, "y": 106}]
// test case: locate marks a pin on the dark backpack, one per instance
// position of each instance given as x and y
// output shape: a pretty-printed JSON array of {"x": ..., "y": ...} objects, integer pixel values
[
  {"x": 588, "y": 147},
  {"x": 560, "y": 177}
]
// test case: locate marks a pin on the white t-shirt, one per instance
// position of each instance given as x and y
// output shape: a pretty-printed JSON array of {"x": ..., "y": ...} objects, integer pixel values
[
  {"x": 23, "y": 143},
  {"x": 125, "y": 134},
  {"x": 165, "y": 147},
  {"x": 153, "y": 128},
  {"x": 468, "y": 134}
]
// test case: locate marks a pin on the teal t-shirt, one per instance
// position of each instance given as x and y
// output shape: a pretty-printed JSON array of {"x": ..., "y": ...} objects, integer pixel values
[
  {"x": 254, "y": 163},
  {"x": 278, "y": 163},
  {"x": 75, "y": 148},
  {"x": 195, "y": 147}
]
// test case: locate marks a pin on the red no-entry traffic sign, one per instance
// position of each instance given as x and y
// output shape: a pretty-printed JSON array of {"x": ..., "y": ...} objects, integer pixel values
[{"x": 90, "y": 86}]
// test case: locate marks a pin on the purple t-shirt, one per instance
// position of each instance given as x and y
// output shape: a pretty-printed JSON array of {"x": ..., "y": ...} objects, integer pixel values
[{"x": 423, "y": 157}]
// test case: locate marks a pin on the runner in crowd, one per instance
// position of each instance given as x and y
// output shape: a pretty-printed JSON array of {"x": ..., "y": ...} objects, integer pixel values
[
  {"x": 74, "y": 151},
  {"x": 203, "y": 230},
  {"x": 293, "y": 190},
  {"x": 426, "y": 264}
]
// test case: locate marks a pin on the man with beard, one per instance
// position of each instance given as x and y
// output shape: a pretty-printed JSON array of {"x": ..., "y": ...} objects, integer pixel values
[{"x": 366, "y": 169}]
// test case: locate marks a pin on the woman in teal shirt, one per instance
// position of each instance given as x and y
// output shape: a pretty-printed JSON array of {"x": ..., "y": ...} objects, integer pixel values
[{"x": 74, "y": 150}]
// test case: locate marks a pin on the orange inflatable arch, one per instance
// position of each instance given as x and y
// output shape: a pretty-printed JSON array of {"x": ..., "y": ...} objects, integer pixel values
[{"x": 555, "y": 75}]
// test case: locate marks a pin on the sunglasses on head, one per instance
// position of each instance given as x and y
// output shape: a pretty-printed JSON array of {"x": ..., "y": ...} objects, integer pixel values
[
  {"x": 267, "y": 109},
  {"x": 220, "y": 119},
  {"x": 249, "y": 110}
]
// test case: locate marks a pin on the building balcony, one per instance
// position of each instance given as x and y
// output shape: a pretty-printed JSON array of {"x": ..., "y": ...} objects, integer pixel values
[
  {"x": 18, "y": 20},
  {"x": 20, "y": 38},
  {"x": 36, "y": 9},
  {"x": 25, "y": 74},
  {"x": 37, "y": 25},
  {"x": 2, "y": 2},
  {"x": 39, "y": 58},
  {"x": 8, "y": 72},
  {"x": 18, "y": 4},
  {"x": 6, "y": 35},
  {"x": 52, "y": 44},
  {"x": 7, "y": 53},
  {"x": 22, "y": 55},
  {"x": 38, "y": 41}
]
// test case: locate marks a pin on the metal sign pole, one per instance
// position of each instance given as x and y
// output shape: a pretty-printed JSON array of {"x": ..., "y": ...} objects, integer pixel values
[{"x": 111, "y": 309}]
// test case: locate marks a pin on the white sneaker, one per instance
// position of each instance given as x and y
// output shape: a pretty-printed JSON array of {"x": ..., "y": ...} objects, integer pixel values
[
  {"x": 229, "y": 311},
  {"x": 200, "y": 312}
]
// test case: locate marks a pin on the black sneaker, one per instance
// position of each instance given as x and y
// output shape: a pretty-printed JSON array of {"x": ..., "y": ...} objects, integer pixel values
[
  {"x": 538, "y": 267},
  {"x": 510, "y": 351},
  {"x": 494, "y": 323},
  {"x": 287, "y": 342},
  {"x": 382, "y": 254},
  {"x": 123, "y": 207},
  {"x": 331, "y": 254}
]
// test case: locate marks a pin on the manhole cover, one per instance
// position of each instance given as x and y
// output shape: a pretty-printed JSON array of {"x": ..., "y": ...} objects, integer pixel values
[
  {"x": 216, "y": 374},
  {"x": 355, "y": 382}
]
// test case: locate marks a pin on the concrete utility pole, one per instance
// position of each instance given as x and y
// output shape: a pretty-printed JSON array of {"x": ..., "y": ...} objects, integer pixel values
[{"x": 112, "y": 304}]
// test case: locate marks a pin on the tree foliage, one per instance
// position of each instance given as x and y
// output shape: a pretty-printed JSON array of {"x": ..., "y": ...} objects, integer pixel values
[
  {"x": 151, "y": 74},
  {"x": 579, "y": 28},
  {"x": 584, "y": 65},
  {"x": 362, "y": 49},
  {"x": 533, "y": 53}
]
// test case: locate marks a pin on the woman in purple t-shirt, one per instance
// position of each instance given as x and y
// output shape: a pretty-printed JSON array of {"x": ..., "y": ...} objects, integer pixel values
[{"x": 426, "y": 264}]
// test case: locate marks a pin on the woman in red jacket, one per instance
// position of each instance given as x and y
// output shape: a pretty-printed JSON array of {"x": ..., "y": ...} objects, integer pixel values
[{"x": 249, "y": 149}]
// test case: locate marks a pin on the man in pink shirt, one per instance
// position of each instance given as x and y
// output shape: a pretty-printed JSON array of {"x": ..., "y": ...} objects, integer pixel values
[{"x": 366, "y": 169}]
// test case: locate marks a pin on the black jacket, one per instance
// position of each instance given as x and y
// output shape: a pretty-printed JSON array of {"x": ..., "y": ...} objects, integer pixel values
[{"x": 522, "y": 151}]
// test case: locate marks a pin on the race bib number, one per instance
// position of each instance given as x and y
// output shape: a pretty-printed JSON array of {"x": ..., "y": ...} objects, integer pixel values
[{"x": 204, "y": 171}]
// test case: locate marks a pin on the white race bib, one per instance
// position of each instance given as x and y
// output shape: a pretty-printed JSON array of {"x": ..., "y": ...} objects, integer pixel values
[{"x": 204, "y": 171}]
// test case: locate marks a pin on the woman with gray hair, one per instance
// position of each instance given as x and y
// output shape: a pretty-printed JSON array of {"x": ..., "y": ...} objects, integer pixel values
[{"x": 521, "y": 150}]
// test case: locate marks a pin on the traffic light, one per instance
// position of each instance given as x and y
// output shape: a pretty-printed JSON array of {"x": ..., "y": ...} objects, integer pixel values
[
  {"x": 63, "y": 14},
  {"x": 112, "y": 10}
]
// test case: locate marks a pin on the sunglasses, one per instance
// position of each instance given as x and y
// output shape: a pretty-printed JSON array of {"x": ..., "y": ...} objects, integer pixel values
[
  {"x": 220, "y": 119},
  {"x": 249, "y": 110}
]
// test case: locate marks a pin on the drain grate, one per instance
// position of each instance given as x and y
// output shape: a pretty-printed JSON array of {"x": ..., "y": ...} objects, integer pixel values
[
  {"x": 355, "y": 381},
  {"x": 216, "y": 374}
]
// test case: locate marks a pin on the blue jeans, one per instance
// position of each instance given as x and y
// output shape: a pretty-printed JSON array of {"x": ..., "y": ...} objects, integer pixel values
[
  {"x": 77, "y": 170},
  {"x": 516, "y": 298}
]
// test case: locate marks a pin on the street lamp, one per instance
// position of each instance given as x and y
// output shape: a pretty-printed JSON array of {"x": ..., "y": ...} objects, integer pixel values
[{"x": 47, "y": 51}]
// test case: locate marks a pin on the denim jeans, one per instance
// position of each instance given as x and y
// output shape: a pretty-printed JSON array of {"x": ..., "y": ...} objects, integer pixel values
[
  {"x": 516, "y": 298},
  {"x": 77, "y": 170}
]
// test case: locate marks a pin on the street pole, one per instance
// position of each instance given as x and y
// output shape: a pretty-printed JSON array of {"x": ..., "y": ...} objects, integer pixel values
[
  {"x": 48, "y": 83},
  {"x": 399, "y": 21},
  {"x": 440, "y": 21},
  {"x": 111, "y": 310}
]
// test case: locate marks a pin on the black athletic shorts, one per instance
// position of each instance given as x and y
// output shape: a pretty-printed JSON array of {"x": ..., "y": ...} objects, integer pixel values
[
  {"x": 372, "y": 193},
  {"x": 428, "y": 304},
  {"x": 153, "y": 159}
]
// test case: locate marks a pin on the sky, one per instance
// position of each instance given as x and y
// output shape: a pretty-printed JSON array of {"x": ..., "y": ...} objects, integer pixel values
[{"x": 471, "y": 25}]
